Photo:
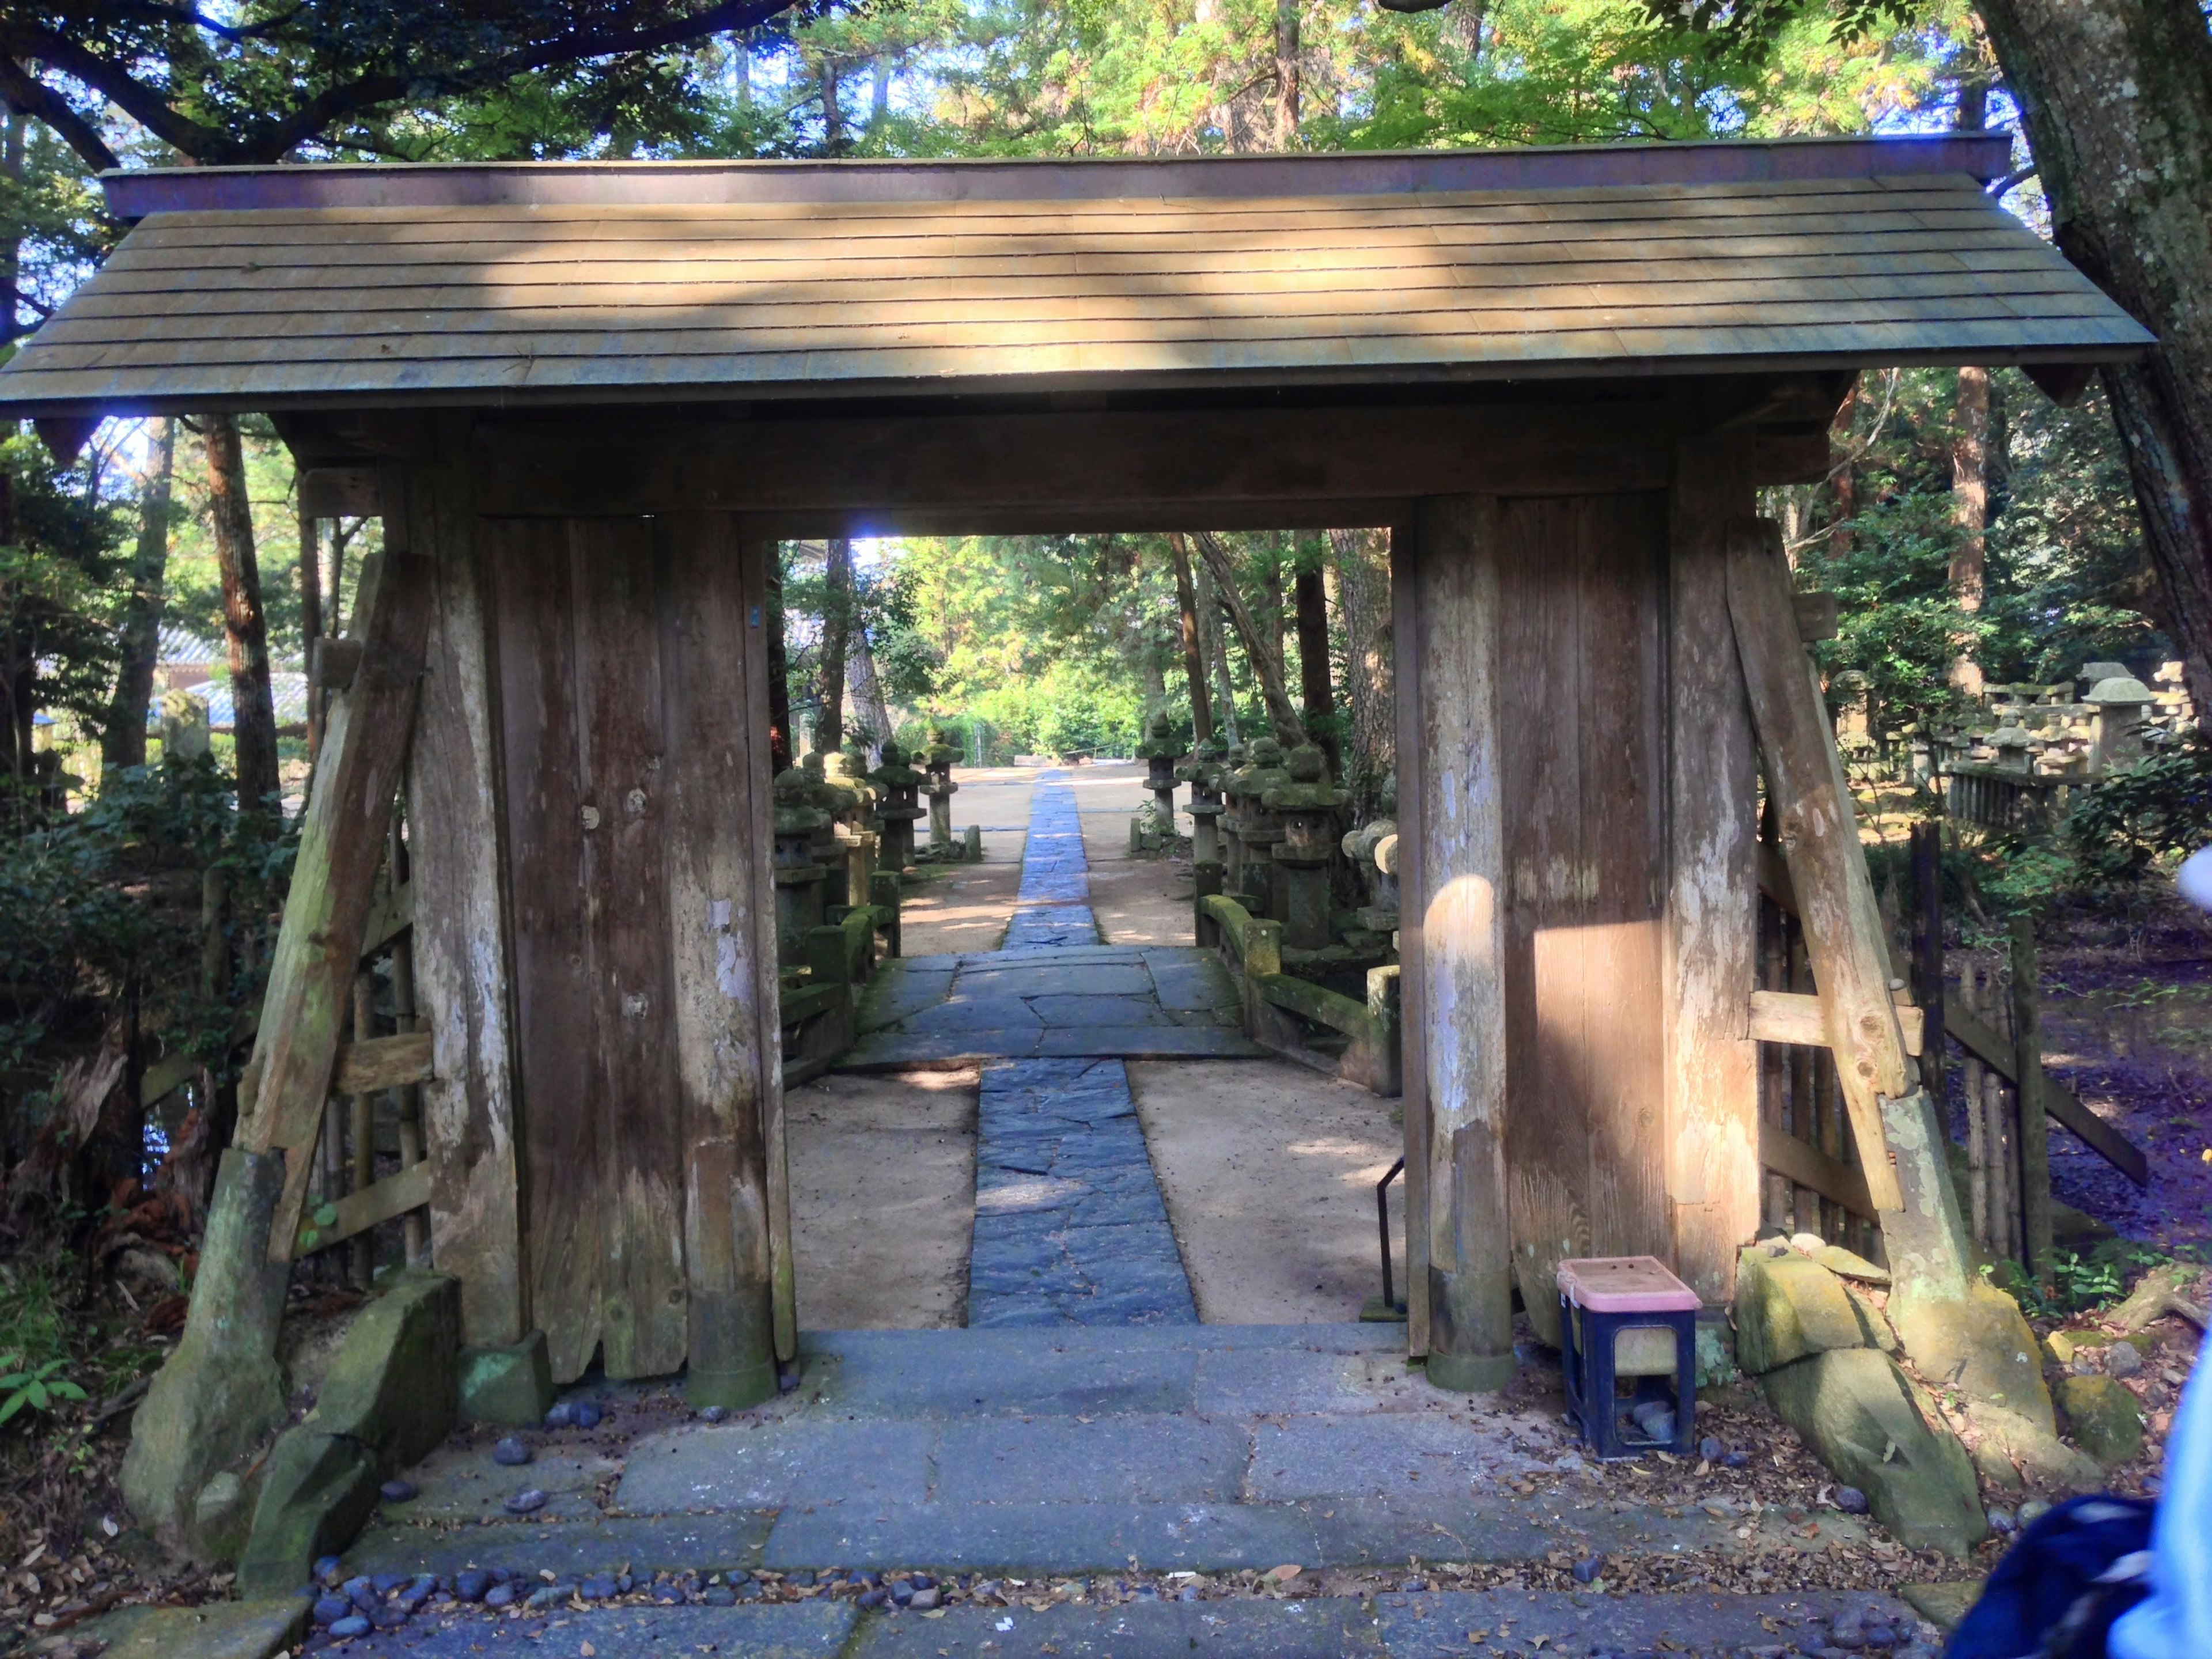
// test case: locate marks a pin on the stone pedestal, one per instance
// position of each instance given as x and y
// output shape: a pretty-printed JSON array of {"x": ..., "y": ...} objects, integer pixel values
[
  {"x": 1235, "y": 767},
  {"x": 1203, "y": 772}
]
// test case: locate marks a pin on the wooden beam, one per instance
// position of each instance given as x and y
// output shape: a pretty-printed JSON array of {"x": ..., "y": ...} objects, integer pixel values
[
  {"x": 1460, "y": 901},
  {"x": 1072, "y": 460},
  {"x": 1820, "y": 842},
  {"x": 462, "y": 969},
  {"x": 1413, "y": 996},
  {"x": 2059, "y": 1101},
  {"x": 392, "y": 916},
  {"x": 1819, "y": 616},
  {"x": 1709, "y": 929},
  {"x": 356, "y": 1212},
  {"x": 1808, "y": 1166},
  {"x": 389, "y": 1062},
  {"x": 341, "y": 492},
  {"x": 334, "y": 878},
  {"x": 1797, "y": 1017}
]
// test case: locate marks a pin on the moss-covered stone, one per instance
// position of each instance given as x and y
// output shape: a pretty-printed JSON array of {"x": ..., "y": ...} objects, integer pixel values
[
  {"x": 1979, "y": 1344},
  {"x": 390, "y": 1395},
  {"x": 219, "y": 1629},
  {"x": 1863, "y": 1418},
  {"x": 512, "y": 1386},
  {"x": 2025, "y": 1448},
  {"x": 2103, "y": 1418},
  {"x": 1787, "y": 1307}
]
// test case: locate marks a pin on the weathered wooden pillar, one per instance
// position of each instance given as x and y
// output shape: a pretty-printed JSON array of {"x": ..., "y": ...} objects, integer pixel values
[
  {"x": 464, "y": 975},
  {"x": 722, "y": 916},
  {"x": 1712, "y": 921},
  {"x": 1445, "y": 593}
]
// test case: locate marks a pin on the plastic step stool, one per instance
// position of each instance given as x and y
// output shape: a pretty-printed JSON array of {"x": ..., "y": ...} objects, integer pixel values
[{"x": 1602, "y": 1301}]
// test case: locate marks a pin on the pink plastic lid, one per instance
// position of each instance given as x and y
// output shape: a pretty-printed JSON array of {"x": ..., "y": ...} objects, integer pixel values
[{"x": 1626, "y": 1284}]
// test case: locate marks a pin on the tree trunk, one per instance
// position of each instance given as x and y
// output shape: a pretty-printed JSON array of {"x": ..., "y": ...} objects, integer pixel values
[
  {"x": 1193, "y": 644},
  {"x": 1970, "y": 511},
  {"x": 779, "y": 670},
  {"x": 1266, "y": 665},
  {"x": 879, "y": 92},
  {"x": 1288, "y": 85},
  {"x": 1216, "y": 652},
  {"x": 13, "y": 147},
  {"x": 868, "y": 693},
  {"x": 1362, "y": 587},
  {"x": 1845, "y": 484},
  {"x": 124, "y": 741},
  {"x": 2117, "y": 99},
  {"x": 253, "y": 711},
  {"x": 1315, "y": 694},
  {"x": 836, "y": 625},
  {"x": 833, "y": 118}
]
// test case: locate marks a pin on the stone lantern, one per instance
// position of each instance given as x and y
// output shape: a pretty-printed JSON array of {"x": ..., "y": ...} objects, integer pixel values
[
  {"x": 798, "y": 878},
  {"x": 937, "y": 765},
  {"x": 1234, "y": 765},
  {"x": 2014, "y": 748},
  {"x": 1261, "y": 828},
  {"x": 897, "y": 809},
  {"x": 1161, "y": 751},
  {"x": 831, "y": 801},
  {"x": 2120, "y": 702},
  {"x": 1306, "y": 806},
  {"x": 1203, "y": 772},
  {"x": 1373, "y": 851}
]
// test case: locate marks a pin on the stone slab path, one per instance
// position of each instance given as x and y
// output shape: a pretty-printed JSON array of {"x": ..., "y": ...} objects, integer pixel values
[{"x": 1070, "y": 1225}]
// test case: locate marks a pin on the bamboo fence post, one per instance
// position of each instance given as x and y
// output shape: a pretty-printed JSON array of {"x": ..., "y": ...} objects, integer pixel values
[{"x": 2034, "y": 1126}]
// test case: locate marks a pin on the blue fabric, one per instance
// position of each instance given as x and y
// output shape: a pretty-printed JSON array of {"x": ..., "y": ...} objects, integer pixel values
[
  {"x": 2059, "y": 1589},
  {"x": 2176, "y": 1621}
]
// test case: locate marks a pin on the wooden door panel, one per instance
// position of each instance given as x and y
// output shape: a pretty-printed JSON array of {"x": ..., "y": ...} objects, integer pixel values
[{"x": 1582, "y": 700}]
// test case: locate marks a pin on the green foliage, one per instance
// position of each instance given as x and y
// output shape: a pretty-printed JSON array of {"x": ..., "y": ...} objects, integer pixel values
[
  {"x": 2160, "y": 807},
  {"x": 35, "y": 1390},
  {"x": 103, "y": 913},
  {"x": 58, "y": 572}
]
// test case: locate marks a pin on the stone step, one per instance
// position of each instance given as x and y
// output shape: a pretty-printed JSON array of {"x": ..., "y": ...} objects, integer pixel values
[{"x": 1155, "y": 1623}]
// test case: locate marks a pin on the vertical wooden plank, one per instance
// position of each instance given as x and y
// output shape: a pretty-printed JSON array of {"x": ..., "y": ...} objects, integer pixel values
[
  {"x": 1712, "y": 1108},
  {"x": 463, "y": 969},
  {"x": 2034, "y": 1126},
  {"x": 1540, "y": 733},
  {"x": 532, "y": 610},
  {"x": 1405, "y": 676},
  {"x": 712, "y": 721},
  {"x": 644, "y": 1319},
  {"x": 1460, "y": 899},
  {"x": 1621, "y": 703},
  {"x": 764, "y": 659}
]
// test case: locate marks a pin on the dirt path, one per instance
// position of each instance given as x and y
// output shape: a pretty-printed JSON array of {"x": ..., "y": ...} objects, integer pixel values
[{"x": 1269, "y": 1171}]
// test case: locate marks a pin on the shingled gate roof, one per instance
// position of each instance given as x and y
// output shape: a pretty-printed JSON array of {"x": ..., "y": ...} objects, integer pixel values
[{"x": 312, "y": 286}]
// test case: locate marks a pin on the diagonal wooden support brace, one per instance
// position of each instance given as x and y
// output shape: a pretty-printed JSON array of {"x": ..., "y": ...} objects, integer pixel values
[
  {"x": 1899, "y": 1141},
  {"x": 326, "y": 914}
]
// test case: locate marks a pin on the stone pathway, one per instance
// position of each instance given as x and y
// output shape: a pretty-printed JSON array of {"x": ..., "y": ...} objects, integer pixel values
[
  {"x": 1054, "y": 991},
  {"x": 1054, "y": 907},
  {"x": 1070, "y": 1226}
]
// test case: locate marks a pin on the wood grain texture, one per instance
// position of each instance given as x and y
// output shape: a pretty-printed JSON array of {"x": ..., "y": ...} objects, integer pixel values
[
  {"x": 1798, "y": 1017},
  {"x": 386, "y": 1062},
  {"x": 1065, "y": 458},
  {"x": 715, "y": 903},
  {"x": 556, "y": 1017},
  {"x": 285, "y": 305},
  {"x": 623, "y": 766},
  {"x": 1462, "y": 872},
  {"x": 1582, "y": 741},
  {"x": 1712, "y": 925},
  {"x": 326, "y": 911},
  {"x": 465, "y": 983},
  {"x": 1406, "y": 588}
]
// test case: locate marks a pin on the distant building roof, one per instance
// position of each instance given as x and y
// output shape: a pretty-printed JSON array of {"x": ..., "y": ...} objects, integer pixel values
[
  {"x": 289, "y": 692},
  {"x": 323, "y": 286}
]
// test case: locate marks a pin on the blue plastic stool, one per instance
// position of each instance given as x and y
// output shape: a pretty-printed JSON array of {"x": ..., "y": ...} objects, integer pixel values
[{"x": 1600, "y": 1298}]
